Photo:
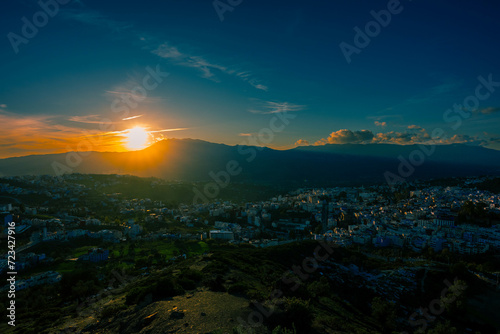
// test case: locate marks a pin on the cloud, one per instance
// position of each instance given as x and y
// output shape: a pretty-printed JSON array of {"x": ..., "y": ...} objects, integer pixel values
[
  {"x": 255, "y": 83},
  {"x": 415, "y": 127},
  {"x": 487, "y": 111},
  {"x": 89, "y": 119},
  {"x": 271, "y": 107},
  {"x": 447, "y": 87},
  {"x": 345, "y": 136},
  {"x": 132, "y": 89},
  {"x": 464, "y": 139},
  {"x": 207, "y": 68},
  {"x": 382, "y": 124},
  {"x": 414, "y": 135},
  {"x": 382, "y": 117},
  {"x": 259, "y": 86},
  {"x": 301, "y": 142},
  {"x": 168, "y": 130},
  {"x": 494, "y": 140},
  {"x": 44, "y": 134},
  {"x": 94, "y": 18},
  {"x": 245, "y": 135},
  {"x": 131, "y": 117},
  {"x": 401, "y": 138},
  {"x": 167, "y": 51},
  {"x": 3, "y": 106}
]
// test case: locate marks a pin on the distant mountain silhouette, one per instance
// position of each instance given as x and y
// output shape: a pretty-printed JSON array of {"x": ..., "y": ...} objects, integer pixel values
[{"x": 194, "y": 160}]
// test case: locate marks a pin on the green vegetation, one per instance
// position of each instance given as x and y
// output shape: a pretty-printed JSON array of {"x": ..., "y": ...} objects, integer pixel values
[{"x": 143, "y": 272}]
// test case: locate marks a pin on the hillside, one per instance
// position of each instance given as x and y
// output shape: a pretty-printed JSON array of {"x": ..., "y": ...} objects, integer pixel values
[{"x": 242, "y": 289}]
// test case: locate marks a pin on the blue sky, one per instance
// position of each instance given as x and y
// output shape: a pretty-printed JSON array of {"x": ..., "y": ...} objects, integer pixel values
[{"x": 228, "y": 79}]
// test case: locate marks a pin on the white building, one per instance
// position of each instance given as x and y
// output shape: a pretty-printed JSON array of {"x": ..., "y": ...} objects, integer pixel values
[{"x": 222, "y": 235}]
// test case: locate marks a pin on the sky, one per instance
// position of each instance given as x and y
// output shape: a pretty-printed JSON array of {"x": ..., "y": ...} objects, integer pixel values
[{"x": 79, "y": 74}]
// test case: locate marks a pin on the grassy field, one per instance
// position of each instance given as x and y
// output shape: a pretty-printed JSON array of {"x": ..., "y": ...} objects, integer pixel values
[{"x": 165, "y": 248}]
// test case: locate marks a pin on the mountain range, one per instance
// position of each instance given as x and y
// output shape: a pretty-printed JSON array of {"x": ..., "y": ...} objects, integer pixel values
[{"x": 196, "y": 160}]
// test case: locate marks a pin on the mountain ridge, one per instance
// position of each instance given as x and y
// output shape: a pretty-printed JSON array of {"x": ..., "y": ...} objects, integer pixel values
[{"x": 198, "y": 160}]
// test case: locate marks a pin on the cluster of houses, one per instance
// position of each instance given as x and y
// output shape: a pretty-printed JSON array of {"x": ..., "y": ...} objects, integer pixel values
[
  {"x": 426, "y": 218},
  {"x": 95, "y": 255},
  {"x": 48, "y": 277}
]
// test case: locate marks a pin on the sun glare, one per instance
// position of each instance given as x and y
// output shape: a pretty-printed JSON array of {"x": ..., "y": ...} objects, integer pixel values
[{"x": 136, "y": 138}]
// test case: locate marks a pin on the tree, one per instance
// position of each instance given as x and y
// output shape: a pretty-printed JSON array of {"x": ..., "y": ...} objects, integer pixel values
[
  {"x": 455, "y": 300},
  {"x": 318, "y": 229},
  {"x": 280, "y": 330},
  {"x": 384, "y": 312},
  {"x": 298, "y": 314},
  {"x": 319, "y": 288},
  {"x": 445, "y": 255},
  {"x": 443, "y": 328}
]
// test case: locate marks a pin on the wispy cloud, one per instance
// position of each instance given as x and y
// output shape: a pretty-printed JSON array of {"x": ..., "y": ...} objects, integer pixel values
[
  {"x": 95, "y": 18},
  {"x": 131, "y": 88},
  {"x": 207, "y": 69},
  {"x": 168, "y": 130},
  {"x": 441, "y": 90},
  {"x": 158, "y": 135},
  {"x": 382, "y": 124},
  {"x": 245, "y": 135},
  {"x": 487, "y": 111},
  {"x": 446, "y": 87},
  {"x": 248, "y": 77},
  {"x": 44, "y": 134},
  {"x": 90, "y": 119},
  {"x": 271, "y": 107},
  {"x": 383, "y": 117},
  {"x": 131, "y": 117}
]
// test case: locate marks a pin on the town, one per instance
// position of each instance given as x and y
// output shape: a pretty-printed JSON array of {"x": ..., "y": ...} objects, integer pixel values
[
  {"x": 459, "y": 219},
  {"x": 69, "y": 223}
]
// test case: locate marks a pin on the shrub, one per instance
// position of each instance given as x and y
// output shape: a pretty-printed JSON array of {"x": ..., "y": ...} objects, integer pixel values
[
  {"x": 294, "y": 314},
  {"x": 166, "y": 287},
  {"x": 216, "y": 267},
  {"x": 239, "y": 288},
  {"x": 111, "y": 310},
  {"x": 186, "y": 283},
  {"x": 135, "y": 295},
  {"x": 194, "y": 275},
  {"x": 215, "y": 283}
]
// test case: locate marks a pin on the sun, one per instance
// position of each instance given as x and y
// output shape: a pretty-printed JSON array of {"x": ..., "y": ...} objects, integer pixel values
[{"x": 136, "y": 138}]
